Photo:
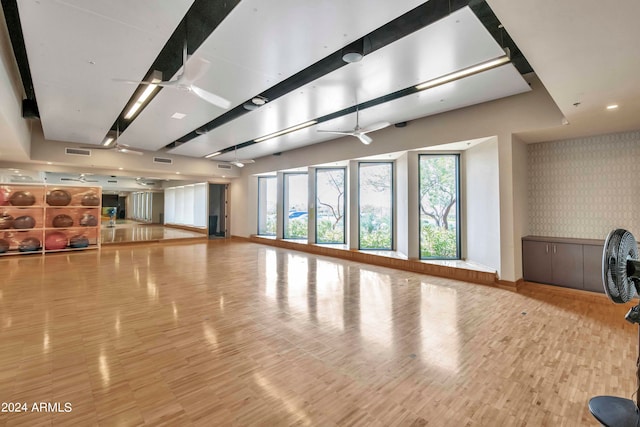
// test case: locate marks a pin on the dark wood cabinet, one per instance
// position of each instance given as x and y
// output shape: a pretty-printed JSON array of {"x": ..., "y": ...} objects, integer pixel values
[{"x": 573, "y": 263}]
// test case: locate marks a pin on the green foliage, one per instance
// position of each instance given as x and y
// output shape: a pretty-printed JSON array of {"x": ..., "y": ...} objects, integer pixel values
[
  {"x": 436, "y": 242},
  {"x": 329, "y": 232},
  {"x": 270, "y": 225},
  {"x": 375, "y": 229},
  {"x": 438, "y": 188},
  {"x": 297, "y": 228}
]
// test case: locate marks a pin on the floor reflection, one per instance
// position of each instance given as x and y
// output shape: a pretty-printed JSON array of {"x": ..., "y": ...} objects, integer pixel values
[{"x": 131, "y": 231}]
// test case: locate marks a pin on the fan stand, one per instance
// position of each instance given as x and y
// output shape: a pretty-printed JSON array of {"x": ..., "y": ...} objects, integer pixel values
[{"x": 612, "y": 411}]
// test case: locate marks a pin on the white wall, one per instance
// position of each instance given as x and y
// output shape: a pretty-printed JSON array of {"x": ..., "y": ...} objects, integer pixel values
[
  {"x": 15, "y": 131},
  {"x": 482, "y": 204}
]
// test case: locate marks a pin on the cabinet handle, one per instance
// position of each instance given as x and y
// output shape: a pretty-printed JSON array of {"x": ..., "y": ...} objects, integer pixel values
[
  {"x": 554, "y": 249},
  {"x": 546, "y": 248}
]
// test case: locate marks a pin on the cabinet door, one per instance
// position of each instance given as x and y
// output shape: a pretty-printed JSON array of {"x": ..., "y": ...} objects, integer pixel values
[
  {"x": 593, "y": 268},
  {"x": 536, "y": 261},
  {"x": 567, "y": 265}
]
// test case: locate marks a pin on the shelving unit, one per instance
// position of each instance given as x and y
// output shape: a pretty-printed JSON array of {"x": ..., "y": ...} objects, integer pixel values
[{"x": 64, "y": 218}]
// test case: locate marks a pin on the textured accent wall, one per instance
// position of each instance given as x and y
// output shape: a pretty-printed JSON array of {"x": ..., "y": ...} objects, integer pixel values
[{"x": 584, "y": 187}]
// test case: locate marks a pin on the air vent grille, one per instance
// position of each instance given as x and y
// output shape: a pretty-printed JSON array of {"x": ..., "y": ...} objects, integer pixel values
[
  {"x": 77, "y": 151},
  {"x": 223, "y": 166},
  {"x": 112, "y": 181},
  {"x": 163, "y": 160}
]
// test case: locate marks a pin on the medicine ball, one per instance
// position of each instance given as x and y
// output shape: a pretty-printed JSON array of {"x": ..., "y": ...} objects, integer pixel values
[
  {"x": 22, "y": 198},
  {"x": 6, "y": 221},
  {"x": 4, "y": 246},
  {"x": 79, "y": 241},
  {"x": 58, "y": 198},
  {"x": 30, "y": 244},
  {"x": 62, "y": 221},
  {"x": 24, "y": 222},
  {"x": 90, "y": 199},
  {"x": 88, "y": 220},
  {"x": 55, "y": 240}
]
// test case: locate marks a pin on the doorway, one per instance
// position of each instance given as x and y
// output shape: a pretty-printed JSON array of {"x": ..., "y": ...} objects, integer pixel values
[{"x": 218, "y": 214}]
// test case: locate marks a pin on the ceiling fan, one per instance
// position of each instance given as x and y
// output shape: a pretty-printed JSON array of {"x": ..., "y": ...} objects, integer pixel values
[
  {"x": 237, "y": 162},
  {"x": 145, "y": 182},
  {"x": 113, "y": 144},
  {"x": 81, "y": 178},
  {"x": 190, "y": 72},
  {"x": 358, "y": 132}
]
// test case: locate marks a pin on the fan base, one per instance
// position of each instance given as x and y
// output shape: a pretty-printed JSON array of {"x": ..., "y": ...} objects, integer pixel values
[{"x": 614, "y": 411}]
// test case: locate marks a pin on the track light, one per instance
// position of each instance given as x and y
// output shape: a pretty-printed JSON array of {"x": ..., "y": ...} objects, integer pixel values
[{"x": 354, "y": 52}]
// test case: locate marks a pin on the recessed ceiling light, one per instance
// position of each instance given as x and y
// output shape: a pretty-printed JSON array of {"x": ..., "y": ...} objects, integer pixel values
[
  {"x": 178, "y": 116},
  {"x": 177, "y": 173},
  {"x": 612, "y": 106},
  {"x": 49, "y": 163},
  {"x": 120, "y": 168}
]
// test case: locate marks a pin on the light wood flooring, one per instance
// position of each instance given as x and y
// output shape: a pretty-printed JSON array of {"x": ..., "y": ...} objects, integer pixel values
[{"x": 236, "y": 333}]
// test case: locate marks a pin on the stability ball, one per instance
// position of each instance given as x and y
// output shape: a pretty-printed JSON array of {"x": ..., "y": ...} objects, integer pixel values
[
  {"x": 22, "y": 198},
  {"x": 62, "y": 221},
  {"x": 58, "y": 198},
  {"x": 24, "y": 222},
  {"x": 55, "y": 240},
  {"x": 30, "y": 244},
  {"x": 4, "y": 197},
  {"x": 90, "y": 199},
  {"x": 79, "y": 241},
  {"x": 88, "y": 220},
  {"x": 6, "y": 221}
]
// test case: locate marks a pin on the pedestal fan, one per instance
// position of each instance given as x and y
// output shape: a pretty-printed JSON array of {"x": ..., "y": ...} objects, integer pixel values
[{"x": 621, "y": 279}]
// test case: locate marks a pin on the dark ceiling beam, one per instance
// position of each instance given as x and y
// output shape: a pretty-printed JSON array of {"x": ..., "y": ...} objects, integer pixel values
[{"x": 12, "y": 18}]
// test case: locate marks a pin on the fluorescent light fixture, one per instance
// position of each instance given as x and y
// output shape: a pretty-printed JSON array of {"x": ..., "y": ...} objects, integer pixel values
[
  {"x": 217, "y": 153},
  {"x": 612, "y": 106},
  {"x": 287, "y": 130},
  {"x": 107, "y": 141},
  {"x": 178, "y": 116},
  {"x": 456, "y": 75},
  {"x": 141, "y": 99}
]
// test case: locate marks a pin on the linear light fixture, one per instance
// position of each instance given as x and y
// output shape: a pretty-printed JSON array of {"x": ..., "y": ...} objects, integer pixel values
[
  {"x": 217, "y": 153},
  {"x": 287, "y": 130},
  {"x": 456, "y": 75},
  {"x": 107, "y": 141},
  {"x": 146, "y": 93}
]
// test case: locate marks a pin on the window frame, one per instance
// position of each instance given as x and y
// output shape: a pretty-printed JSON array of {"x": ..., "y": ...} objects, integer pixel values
[
  {"x": 456, "y": 156},
  {"x": 285, "y": 211},
  {"x": 393, "y": 207},
  {"x": 259, "y": 204},
  {"x": 344, "y": 205}
]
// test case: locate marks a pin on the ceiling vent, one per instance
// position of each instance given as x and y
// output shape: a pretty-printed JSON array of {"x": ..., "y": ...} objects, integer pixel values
[
  {"x": 112, "y": 181},
  {"x": 163, "y": 160},
  {"x": 223, "y": 166},
  {"x": 77, "y": 151}
]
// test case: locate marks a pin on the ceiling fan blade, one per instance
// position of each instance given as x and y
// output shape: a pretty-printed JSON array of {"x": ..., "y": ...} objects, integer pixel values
[
  {"x": 97, "y": 147},
  {"x": 129, "y": 151},
  {"x": 195, "y": 69},
  {"x": 366, "y": 140},
  {"x": 337, "y": 132},
  {"x": 91, "y": 180},
  {"x": 70, "y": 179},
  {"x": 376, "y": 126},
  {"x": 211, "y": 98},
  {"x": 130, "y": 82},
  {"x": 248, "y": 161}
]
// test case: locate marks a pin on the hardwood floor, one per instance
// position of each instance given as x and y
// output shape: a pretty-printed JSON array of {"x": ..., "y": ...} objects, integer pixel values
[{"x": 235, "y": 333}]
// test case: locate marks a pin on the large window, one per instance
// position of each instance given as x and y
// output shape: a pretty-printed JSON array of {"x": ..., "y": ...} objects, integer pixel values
[
  {"x": 296, "y": 190},
  {"x": 375, "y": 205},
  {"x": 330, "y": 205},
  {"x": 439, "y": 210},
  {"x": 267, "y": 205}
]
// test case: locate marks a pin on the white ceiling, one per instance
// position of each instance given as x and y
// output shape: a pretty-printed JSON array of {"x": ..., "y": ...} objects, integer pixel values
[{"x": 582, "y": 50}]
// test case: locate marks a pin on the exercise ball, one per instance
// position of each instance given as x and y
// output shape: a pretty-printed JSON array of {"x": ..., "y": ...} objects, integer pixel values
[
  {"x": 90, "y": 199},
  {"x": 55, "y": 240},
  {"x": 88, "y": 220},
  {"x": 22, "y": 198},
  {"x": 4, "y": 197},
  {"x": 62, "y": 221},
  {"x": 4, "y": 246},
  {"x": 24, "y": 222},
  {"x": 79, "y": 241},
  {"x": 58, "y": 198},
  {"x": 6, "y": 221},
  {"x": 30, "y": 244}
]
